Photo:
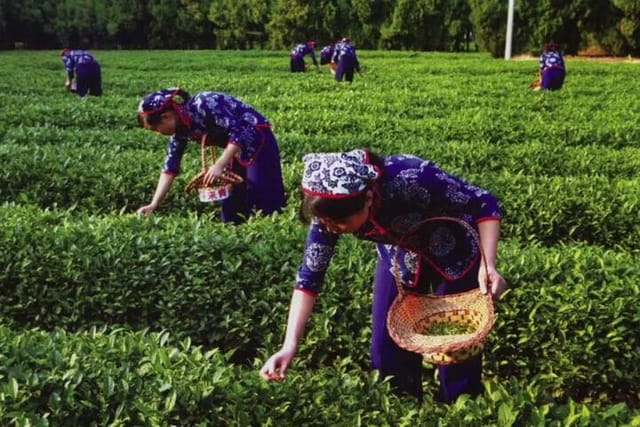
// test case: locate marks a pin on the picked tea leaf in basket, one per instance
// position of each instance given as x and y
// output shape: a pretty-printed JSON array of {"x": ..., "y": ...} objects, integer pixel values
[
  {"x": 221, "y": 187},
  {"x": 445, "y": 329}
]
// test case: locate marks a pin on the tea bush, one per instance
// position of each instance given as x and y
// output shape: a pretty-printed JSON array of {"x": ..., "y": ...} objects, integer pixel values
[{"x": 99, "y": 307}]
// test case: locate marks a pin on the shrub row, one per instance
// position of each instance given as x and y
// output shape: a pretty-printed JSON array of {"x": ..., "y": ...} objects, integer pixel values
[
  {"x": 229, "y": 287},
  {"x": 119, "y": 377},
  {"x": 531, "y": 157},
  {"x": 491, "y": 105},
  {"x": 597, "y": 209}
]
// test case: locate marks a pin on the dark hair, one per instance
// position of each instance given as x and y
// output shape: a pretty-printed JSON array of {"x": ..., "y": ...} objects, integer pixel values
[
  {"x": 154, "y": 116},
  {"x": 551, "y": 47},
  {"x": 335, "y": 209}
]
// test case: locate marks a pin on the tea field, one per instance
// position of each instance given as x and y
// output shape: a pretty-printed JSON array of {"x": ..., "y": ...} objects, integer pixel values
[{"x": 110, "y": 319}]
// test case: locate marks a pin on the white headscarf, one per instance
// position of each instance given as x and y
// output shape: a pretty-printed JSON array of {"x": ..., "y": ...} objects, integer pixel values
[{"x": 338, "y": 175}]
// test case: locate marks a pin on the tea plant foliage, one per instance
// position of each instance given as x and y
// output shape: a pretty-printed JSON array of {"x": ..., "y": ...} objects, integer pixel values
[{"x": 108, "y": 318}]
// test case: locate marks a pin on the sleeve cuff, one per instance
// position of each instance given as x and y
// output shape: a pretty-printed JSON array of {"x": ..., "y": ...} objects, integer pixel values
[{"x": 306, "y": 291}]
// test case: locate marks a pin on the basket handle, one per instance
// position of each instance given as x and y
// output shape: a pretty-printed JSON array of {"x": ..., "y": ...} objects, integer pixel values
[
  {"x": 203, "y": 152},
  {"x": 471, "y": 230}
]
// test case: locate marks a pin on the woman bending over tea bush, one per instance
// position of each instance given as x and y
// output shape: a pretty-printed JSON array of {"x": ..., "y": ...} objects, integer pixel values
[
  {"x": 82, "y": 66},
  {"x": 298, "y": 53},
  {"x": 250, "y": 147},
  {"x": 551, "y": 67},
  {"x": 345, "y": 60},
  {"x": 382, "y": 199}
]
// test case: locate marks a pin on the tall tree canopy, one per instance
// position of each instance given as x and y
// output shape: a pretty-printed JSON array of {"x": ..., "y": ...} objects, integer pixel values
[{"x": 607, "y": 26}]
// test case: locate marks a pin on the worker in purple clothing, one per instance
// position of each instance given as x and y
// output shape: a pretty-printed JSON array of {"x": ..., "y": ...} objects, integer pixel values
[
  {"x": 551, "y": 67},
  {"x": 345, "y": 60},
  {"x": 325, "y": 57},
  {"x": 297, "y": 57},
  {"x": 326, "y": 53},
  {"x": 249, "y": 147},
  {"x": 82, "y": 66},
  {"x": 381, "y": 199}
]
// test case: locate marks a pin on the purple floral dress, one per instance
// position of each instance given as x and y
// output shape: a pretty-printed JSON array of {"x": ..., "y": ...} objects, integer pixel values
[
  {"x": 86, "y": 70},
  {"x": 227, "y": 120},
  {"x": 552, "y": 70},
  {"x": 436, "y": 255},
  {"x": 409, "y": 191},
  {"x": 297, "y": 57}
]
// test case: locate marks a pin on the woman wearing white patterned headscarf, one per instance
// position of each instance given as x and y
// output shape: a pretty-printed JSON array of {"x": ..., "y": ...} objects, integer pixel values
[{"x": 383, "y": 199}]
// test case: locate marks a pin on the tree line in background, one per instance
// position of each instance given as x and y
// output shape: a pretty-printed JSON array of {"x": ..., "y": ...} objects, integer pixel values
[{"x": 600, "y": 26}]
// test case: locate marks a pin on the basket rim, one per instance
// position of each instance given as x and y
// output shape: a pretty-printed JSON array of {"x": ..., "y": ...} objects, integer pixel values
[
  {"x": 228, "y": 179},
  {"x": 477, "y": 336}
]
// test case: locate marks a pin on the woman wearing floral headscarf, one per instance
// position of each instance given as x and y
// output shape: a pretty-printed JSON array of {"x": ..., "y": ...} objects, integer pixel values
[
  {"x": 298, "y": 53},
  {"x": 82, "y": 66},
  {"x": 551, "y": 68},
  {"x": 345, "y": 60},
  {"x": 382, "y": 199},
  {"x": 250, "y": 147}
]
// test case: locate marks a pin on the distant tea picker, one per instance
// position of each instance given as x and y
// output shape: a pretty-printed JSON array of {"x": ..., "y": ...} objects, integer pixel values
[
  {"x": 83, "y": 67},
  {"x": 249, "y": 148},
  {"x": 551, "y": 69},
  {"x": 344, "y": 61},
  {"x": 298, "y": 53}
]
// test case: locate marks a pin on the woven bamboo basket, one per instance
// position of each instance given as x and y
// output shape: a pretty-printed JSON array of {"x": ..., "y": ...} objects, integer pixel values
[
  {"x": 535, "y": 85},
  {"x": 413, "y": 319},
  {"x": 221, "y": 188}
]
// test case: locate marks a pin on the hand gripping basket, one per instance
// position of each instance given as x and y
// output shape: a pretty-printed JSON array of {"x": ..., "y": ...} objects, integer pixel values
[
  {"x": 412, "y": 316},
  {"x": 220, "y": 189}
]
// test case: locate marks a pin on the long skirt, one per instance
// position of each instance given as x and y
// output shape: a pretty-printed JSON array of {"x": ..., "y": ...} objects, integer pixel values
[
  {"x": 88, "y": 79},
  {"x": 297, "y": 64},
  {"x": 263, "y": 187},
  {"x": 345, "y": 69},
  {"x": 552, "y": 78},
  {"x": 406, "y": 367}
]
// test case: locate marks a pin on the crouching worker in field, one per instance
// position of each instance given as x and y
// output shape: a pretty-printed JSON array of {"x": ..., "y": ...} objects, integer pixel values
[
  {"x": 297, "y": 57},
  {"x": 326, "y": 53},
  {"x": 249, "y": 147},
  {"x": 551, "y": 68},
  {"x": 379, "y": 199},
  {"x": 344, "y": 61},
  {"x": 82, "y": 66}
]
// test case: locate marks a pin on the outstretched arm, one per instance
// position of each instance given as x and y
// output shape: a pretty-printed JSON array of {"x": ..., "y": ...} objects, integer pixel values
[
  {"x": 164, "y": 184},
  {"x": 490, "y": 280},
  {"x": 275, "y": 368}
]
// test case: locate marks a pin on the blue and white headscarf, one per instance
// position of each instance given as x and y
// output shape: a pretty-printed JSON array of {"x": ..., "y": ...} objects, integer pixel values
[
  {"x": 338, "y": 175},
  {"x": 158, "y": 100}
]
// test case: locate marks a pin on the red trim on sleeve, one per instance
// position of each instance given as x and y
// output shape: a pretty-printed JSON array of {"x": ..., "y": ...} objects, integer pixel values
[
  {"x": 488, "y": 218},
  {"x": 169, "y": 173},
  {"x": 306, "y": 291}
]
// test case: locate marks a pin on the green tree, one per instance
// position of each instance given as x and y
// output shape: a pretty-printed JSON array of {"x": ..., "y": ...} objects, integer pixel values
[
  {"x": 193, "y": 25},
  {"x": 295, "y": 21},
  {"x": 30, "y": 22},
  {"x": 4, "y": 37},
  {"x": 418, "y": 25},
  {"x": 238, "y": 23},
  {"x": 629, "y": 23},
  {"x": 161, "y": 28},
  {"x": 489, "y": 19},
  {"x": 76, "y": 24},
  {"x": 124, "y": 23},
  {"x": 371, "y": 16}
]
